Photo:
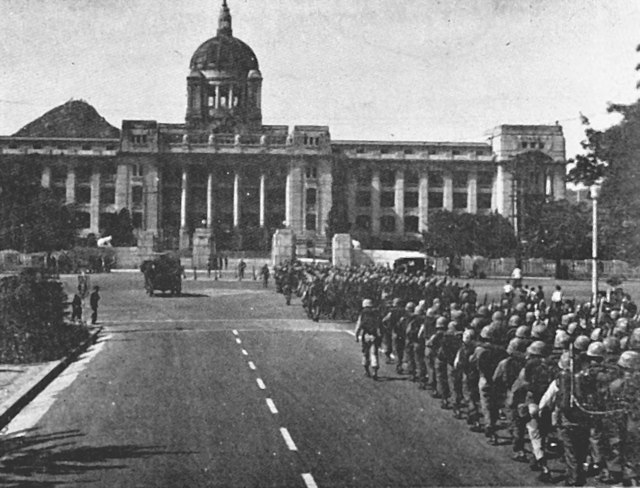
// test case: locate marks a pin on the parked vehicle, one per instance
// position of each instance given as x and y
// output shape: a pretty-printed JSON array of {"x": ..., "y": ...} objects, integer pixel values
[{"x": 163, "y": 273}]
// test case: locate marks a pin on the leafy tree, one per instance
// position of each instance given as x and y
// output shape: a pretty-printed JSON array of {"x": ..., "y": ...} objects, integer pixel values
[{"x": 120, "y": 228}]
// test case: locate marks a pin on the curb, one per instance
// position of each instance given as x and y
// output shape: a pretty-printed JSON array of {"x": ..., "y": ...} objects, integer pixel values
[{"x": 24, "y": 396}]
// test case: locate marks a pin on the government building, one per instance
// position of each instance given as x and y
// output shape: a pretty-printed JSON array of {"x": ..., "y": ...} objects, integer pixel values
[{"x": 224, "y": 176}]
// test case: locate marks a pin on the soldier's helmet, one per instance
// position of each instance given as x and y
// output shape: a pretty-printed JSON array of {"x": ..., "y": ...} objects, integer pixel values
[
  {"x": 410, "y": 307},
  {"x": 565, "y": 361},
  {"x": 483, "y": 311},
  {"x": 537, "y": 348},
  {"x": 538, "y": 331},
  {"x": 367, "y": 303},
  {"x": 514, "y": 321},
  {"x": 516, "y": 344},
  {"x": 487, "y": 333},
  {"x": 612, "y": 345},
  {"x": 523, "y": 332},
  {"x": 561, "y": 340},
  {"x": 572, "y": 328},
  {"x": 521, "y": 307},
  {"x": 452, "y": 328},
  {"x": 581, "y": 343},
  {"x": 476, "y": 322},
  {"x": 497, "y": 316},
  {"x": 634, "y": 340},
  {"x": 530, "y": 317},
  {"x": 629, "y": 360},
  {"x": 596, "y": 350},
  {"x": 441, "y": 323},
  {"x": 596, "y": 334},
  {"x": 397, "y": 302},
  {"x": 614, "y": 314},
  {"x": 468, "y": 335}
]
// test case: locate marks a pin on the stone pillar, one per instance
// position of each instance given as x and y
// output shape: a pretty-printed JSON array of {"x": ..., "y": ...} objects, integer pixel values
[
  {"x": 283, "y": 246},
  {"x": 294, "y": 194},
  {"x": 325, "y": 182},
  {"x": 123, "y": 193},
  {"x": 472, "y": 192},
  {"x": 210, "y": 200},
  {"x": 503, "y": 191},
  {"x": 352, "y": 189},
  {"x": 447, "y": 191},
  {"x": 423, "y": 201},
  {"x": 230, "y": 96},
  {"x": 236, "y": 199},
  {"x": 375, "y": 202},
  {"x": 559, "y": 186},
  {"x": 70, "y": 186},
  {"x": 263, "y": 201},
  {"x": 151, "y": 198},
  {"x": 201, "y": 248},
  {"x": 217, "y": 101},
  {"x": 399, "y": 201},
  {"x": 184, "y": 235},
  {"x": 94, "y": 207},
  {"x": 341, "y": 250},
  {"x": 46, "y": 177}
]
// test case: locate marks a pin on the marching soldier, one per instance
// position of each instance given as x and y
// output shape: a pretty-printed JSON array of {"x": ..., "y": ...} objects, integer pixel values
[{"x": 368, "y": 331}]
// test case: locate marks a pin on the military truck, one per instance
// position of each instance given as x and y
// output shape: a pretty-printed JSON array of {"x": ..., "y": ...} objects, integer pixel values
[{"x": 163, "y": 273}]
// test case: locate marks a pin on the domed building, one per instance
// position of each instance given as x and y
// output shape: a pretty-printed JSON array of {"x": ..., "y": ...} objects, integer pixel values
[{"x": 222, "y": 180}]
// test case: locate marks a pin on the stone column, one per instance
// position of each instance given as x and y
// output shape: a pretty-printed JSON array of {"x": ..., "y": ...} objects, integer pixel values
[
  {"x": 472, "y": 192},
  {"x": 70, "y": 186},
  {"x": 294, "y": 194},
  {"x": 123, "y": 194},
  {"x": 46, "y": 177},
  {"x": 236, "y": 199},
  {"x": 447, "y": 196},
  {"x": 210, "y": 200},
  {"x": 375, "y": 202},
  {"x": 183, "y": 199},
  {"x": 263, "y": 201},
  {"x": 399, "y": 201},
  {"x": 151, "y": 198},
  {"x": 94, "y": 207},
  {"x": 423, "y": 201},
  {"x": 352, "y": 189},
  {"x": 230, "y": 96},
  {"x": 325, "y": 181},
  {"x": 217, "y": 101},
  {"x": 503, "y": 191}
]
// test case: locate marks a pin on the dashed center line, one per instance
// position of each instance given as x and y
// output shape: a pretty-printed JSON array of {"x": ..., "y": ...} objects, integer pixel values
[
  {"x": 252, "y": 365},
  {"x": 309, "y": 481},
  {"x": 287, "y": 439},
  {"x": 235, "y": 332},
  {"x": 261, "y": 384},
  {"x": 244, "y": 351},
  {"x": 350, "y": 332},
  {"x": 272, "y": 406},
  {"x": 238, "y": 340}
]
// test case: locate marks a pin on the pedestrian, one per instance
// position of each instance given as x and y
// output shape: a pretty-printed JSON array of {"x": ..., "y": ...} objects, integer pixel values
[
  {"x": 369, "y": 333},
  {"x": 94, "y": 298},
  {"x": 226, "y": 262},
  {"x": 241, "y": 267},
  {"x": 264, "y": 272},
  {"x": 76, "y": 308}
]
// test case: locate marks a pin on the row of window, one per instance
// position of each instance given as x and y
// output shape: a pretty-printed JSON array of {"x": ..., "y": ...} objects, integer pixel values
[
  {"x": 430, "y": 151},
  {"x": 460, "y": 179},
  {"x": 411, "y": 199},
  {"x": 62, "y": 147},
  {"x": 107, "y": 195},
  {"x": 532, "y": 145},
  {"x": 83, "y": 174}
]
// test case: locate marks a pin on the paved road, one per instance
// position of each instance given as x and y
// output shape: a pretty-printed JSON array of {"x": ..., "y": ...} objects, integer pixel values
[{"x": 229, "y": 387}]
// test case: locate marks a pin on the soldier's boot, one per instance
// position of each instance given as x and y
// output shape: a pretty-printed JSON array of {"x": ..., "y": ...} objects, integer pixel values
[
  {"x": 375, "y": 374},
  {"x": 366, "y": 372}
]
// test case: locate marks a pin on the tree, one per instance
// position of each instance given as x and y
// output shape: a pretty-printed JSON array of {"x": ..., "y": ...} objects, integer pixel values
[
  {"x": 612, "y": 156},
  {"x": 120, "y": 228}
]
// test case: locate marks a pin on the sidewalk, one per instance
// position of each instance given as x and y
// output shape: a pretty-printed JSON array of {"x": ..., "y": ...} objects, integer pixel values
[{"x": 21, "y": 383}]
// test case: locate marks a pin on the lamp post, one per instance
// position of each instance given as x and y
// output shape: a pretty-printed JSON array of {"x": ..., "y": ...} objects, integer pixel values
[{"x": 595, "y": 194}]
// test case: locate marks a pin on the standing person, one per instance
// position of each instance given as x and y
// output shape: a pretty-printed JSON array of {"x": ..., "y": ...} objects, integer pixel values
[
  {"x": 390, "y": 327},
  {"x": 264, "y": 272},
  {"x": 94, "y": 298},
  {"x": 369, "y": 332},
  {"x": 241, "y": 267},
  {"x": 226, "y": 262},
  {"x": 76, "y": 308}
]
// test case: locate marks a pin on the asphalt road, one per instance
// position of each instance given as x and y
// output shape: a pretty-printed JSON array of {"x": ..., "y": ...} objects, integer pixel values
[{"x": 229, "y": 387}]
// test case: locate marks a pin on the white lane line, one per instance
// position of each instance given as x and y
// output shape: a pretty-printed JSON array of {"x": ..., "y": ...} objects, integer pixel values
[
  {"x": 235, "y": 332},
  {"x": 238, "y": 340},
  {"x": 244, "y": 351},
  {"x": 35, "y": 410},
  {"x": 272, "y": 406},
  {"x": 350, "y": 332},
  {"x": 261, "y": 384},
  {"x": 309, "y": 481},
  {"x": 287, "y": 439},
  {"x": 252, "y": 365}
]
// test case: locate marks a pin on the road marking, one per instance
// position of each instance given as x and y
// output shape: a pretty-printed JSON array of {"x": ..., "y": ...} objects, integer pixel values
[
  {"x": 272, "y": 406},
  {"x": 238, "y": 340},
  {"x": 35, "y": 410},
  {"x": 350, "y": 332},
  {"x": 244, "y": 351},
  {"x": 235, "y": 332},
  {"x": 261, "y": 383},
  {"x": 251, "y": 365},
  {"x": 287, "y": 439},
  {"x": 309, "y": 481}
]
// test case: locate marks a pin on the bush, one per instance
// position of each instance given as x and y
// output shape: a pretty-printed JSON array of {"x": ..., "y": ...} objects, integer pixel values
[{"x": 33, "y": 310}]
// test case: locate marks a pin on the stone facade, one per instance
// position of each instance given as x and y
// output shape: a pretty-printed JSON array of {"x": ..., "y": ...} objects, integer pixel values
[{"x": 223, "y": 170}]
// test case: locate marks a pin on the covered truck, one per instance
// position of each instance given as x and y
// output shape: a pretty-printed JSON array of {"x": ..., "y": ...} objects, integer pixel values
[{"x": 163, "y": 273}]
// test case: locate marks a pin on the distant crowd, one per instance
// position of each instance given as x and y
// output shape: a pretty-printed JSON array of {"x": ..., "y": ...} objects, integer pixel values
[{"x": 561, "y": 374}]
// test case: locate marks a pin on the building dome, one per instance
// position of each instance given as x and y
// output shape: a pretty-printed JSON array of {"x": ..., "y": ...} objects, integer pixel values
[{"x": 224, "y": 53}]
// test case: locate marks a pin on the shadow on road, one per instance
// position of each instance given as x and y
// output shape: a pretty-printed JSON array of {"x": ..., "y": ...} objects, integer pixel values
[
  {"x": 182, "y": 295},
  {"x": 29, "y": 459}
]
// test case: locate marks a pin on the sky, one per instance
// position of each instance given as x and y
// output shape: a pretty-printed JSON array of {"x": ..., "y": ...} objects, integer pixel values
[{"x": 417, "y": 70}]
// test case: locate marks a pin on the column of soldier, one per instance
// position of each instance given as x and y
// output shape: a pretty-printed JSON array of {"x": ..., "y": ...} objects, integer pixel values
[{"x": 565, "y": 375}]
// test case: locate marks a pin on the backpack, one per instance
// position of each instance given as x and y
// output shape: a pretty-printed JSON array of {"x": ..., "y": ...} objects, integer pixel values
[{"x": 369, "y": 321}]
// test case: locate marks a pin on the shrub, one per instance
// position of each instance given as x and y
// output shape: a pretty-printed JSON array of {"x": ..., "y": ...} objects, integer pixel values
[{"x": 33, "y": 311}]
